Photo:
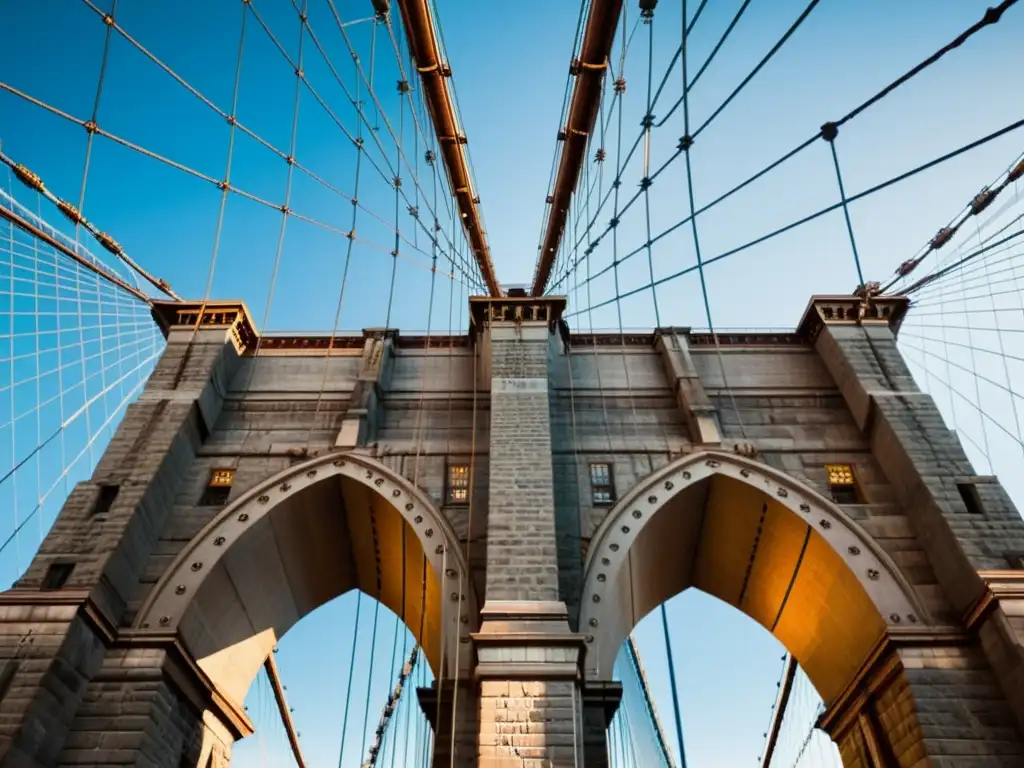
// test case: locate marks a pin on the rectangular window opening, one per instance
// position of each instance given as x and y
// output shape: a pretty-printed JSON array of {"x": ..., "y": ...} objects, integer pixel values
[
  {"x": 602, "y": 486},
  {"x": 219, "y": 488},
  {"x": 842, "y": 485},
  {"x": 105, "y": 499},
  {"x": 57, "y": 575},
  {"x": 1016, "y": 560},
  {"x": 458, "y": 484},
  {"x": 969, "y": 496}
]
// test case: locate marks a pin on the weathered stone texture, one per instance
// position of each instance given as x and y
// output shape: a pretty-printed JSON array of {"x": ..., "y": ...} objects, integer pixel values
[
  {"x": 961, "y": 710},
  {"x": 55, "y": 654},
  {"x": 522, "y": 562},
  {"x": 131, "y": 715},
  {"x": 529, "y": 415},
  {"x": 531, "y": 723}
]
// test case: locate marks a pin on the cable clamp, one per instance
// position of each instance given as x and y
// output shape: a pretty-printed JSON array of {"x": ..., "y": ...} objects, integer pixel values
[
  {"x": 1016, "y": 173},
  {"x": 685, "y": 142},
  {"x": 70, "y": 212},
  {"x": 109, "y": 243},
  {"x": 28, "y": 178},
  {"x": 829, "y": 131}
]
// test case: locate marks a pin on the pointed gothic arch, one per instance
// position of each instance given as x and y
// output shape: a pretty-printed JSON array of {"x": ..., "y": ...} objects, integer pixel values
[
  {"x": 299, "y": 539},
  {"x": 757, "y": 539}
]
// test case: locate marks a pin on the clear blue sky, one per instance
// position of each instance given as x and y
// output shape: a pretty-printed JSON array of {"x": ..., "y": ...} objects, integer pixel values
[{"x": 510, "y": 61}]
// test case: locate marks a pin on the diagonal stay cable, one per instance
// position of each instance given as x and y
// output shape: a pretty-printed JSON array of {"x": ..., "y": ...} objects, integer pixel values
[
  {"x": 199, "y": 175},
  {"x": 687, "y": 86},
  {"x": 387, "y": 124},
  {"x": 811, "y": 217},
  {"x": 233, "y": 121},
  {"x": 304, "y": 20},
  {"x": 992, "y": 16}
]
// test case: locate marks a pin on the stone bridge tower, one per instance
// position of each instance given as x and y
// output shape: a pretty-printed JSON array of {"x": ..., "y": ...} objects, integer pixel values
[{"x": 522, "y": 496}]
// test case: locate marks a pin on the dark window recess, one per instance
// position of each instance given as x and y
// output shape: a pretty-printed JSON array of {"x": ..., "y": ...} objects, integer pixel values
[
  {"x": 105, "y": 499},
  {"x": 215, "y": 496},
  {"x": 844, "y": 494},
  {"x": 201, "y": 428},
  {"x": 57, "y": 575},
  {"x": 602, "y": 486},
  {"x": 969, "y": 496},
  {"x": 7, "y": 671},
  {"x": 842, "y": 485},
  {"x": 458, "y": 484},
  {"x": 1016, "y": 560}
]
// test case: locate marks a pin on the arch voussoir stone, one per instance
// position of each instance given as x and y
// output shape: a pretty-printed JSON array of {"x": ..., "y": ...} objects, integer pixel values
[
  {"x": 169, "y": 601},
  {"x": 890, "y": 592}
]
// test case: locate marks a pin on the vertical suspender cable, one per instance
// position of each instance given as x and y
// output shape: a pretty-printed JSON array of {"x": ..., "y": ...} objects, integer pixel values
[
  {"x": 672, "y": 675},
  {"x": 351, "y": 674}
]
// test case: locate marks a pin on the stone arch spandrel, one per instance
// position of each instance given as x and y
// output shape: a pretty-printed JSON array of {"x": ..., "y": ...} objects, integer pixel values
[
  {"x": 317, "y": 508},
  {"x": 809, "y": 561}
]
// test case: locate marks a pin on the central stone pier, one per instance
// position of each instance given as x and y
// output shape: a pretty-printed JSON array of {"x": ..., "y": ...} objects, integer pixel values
[{"x": 529, "y": 660}]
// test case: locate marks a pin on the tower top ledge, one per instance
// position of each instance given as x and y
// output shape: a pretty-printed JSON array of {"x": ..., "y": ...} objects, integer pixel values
[
  {"x": 234, "y": 317},
  {"x": 826, "y": 309}
]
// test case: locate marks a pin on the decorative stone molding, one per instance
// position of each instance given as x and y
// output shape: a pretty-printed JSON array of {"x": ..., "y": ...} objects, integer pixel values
[
  {"x": 852, "y": 310},
  {"x": 609, "y": 550},
  {"x": 167, "y": 603},
  {"x": 230, "y": 315},
  {"x": 485, "y": 310}
]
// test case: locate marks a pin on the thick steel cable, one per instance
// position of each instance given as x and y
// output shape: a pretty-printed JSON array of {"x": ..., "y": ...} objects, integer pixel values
[
  {"x": 35, "y": 222},
  {"x": 693, "y": 226},
  {"x": 936, "y": 277},
  {"x": 356, "y": 103},
  {"x": 387, "y": 124},
  {"x": 760, "y": 65},
  {"x": 677, "y": 716},
  {"x": 284, "y": 223},
  {"x": 822, "y": 212},
  {"x": 992, "y": 16},
  {"x": 937, "y": 289},
  {"x": 648, "y": 120},
  {"x": 344, "y": 282},
  {"x": 991, "y": 192},
  {"x": 615, "y": 241},
  {"x": 202, "y": 176},
  {"x": 398, "y": 202},
  {"x": 419, "y": 132},
  {"x": 81, "y": 196},
  {"x": 563, "y": 116},
  {"x": 687, "y": 85},
  {"x": 846, "y": 207}
]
